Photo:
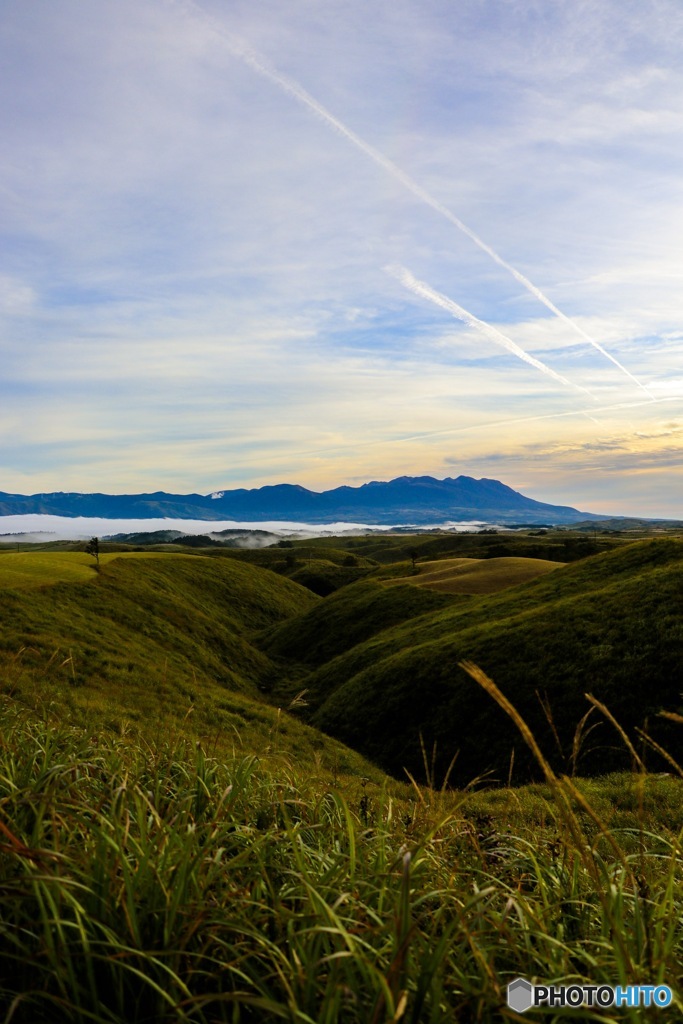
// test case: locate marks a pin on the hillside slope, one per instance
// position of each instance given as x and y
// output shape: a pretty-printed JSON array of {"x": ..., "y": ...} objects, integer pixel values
[
  {"x": 476, "y": 575},
  {"x": 191, "y": 610},
  {"x": 610, "y": 625},
  {"x": 213, "y": 643},
  {"x": 345, "y": 620},
  {"x": 162, "y": 642},
  {"x": 40, "y": 568}
]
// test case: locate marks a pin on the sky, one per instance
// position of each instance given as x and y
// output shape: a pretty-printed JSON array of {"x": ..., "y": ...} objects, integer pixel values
[{"x": 329, "y": 241}]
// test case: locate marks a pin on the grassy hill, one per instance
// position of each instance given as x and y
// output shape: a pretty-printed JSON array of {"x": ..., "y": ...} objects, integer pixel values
[
  {"x": 175, "y": 848},
  {"x": 609, "y": 625},
  {"x": 475, "y": 575},
  {"x": 346, "y": 619},
  {"x": 154, "y": 641},
  {"x": 156, "y": 635},
  {"x": 38, "y": 568}
]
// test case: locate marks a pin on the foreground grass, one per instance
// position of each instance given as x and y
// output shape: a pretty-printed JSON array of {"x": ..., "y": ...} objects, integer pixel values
[{"x": 150, "y": 882}]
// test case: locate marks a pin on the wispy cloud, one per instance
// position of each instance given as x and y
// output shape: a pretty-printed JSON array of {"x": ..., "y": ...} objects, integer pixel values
[
  {"x": 192, "y": 290},
  {"x": 290, "y": 86}
]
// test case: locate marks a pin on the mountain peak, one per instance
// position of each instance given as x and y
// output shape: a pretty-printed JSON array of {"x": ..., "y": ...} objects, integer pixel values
[{"x": 405, "y": 500}]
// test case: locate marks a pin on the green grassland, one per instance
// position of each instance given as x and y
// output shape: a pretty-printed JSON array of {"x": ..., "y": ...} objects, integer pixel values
[
  {"x": 154, "y": 641},
  {"x": 609, "y": 624},
  {"x": 561, "y": 545},
  {"x": 476, "y": 575},
  {"x": 183, "y": 838},
  {"x": 155, "y": 634},
  {"x": 37, "y": 568},
  {"x": 346, "y": 619}
]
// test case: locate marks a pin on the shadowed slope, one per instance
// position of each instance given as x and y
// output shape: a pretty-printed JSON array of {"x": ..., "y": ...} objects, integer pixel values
[
  {"x": 345, "y": 619},
  {"x": 610, "y": 625}
]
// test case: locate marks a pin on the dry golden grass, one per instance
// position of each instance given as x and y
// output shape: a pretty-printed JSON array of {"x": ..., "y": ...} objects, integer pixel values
[{"x": 476, "y": 575}]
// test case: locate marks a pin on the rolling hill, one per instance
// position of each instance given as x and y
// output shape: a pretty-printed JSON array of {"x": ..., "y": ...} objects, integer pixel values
[
  {"x": 475, "y": 575},
  {"x": 161, "y": 642},
  {"x": 156, "y": 639},
  {"x": 173, "y": 846},
  {"x": 609, "y": 625}
]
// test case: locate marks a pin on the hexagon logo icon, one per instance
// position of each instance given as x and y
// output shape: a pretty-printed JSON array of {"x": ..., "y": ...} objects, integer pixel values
[{"x": 520, "y": 995}]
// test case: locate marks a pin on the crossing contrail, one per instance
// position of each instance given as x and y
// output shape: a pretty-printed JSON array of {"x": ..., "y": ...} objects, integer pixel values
[
  {"x": 424, "y": 291},
  {"x": 292, "y": 88}
]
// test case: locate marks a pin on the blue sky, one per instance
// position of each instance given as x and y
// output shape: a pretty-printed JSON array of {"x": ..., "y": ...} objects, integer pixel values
[{"x": 211, "y": 214}]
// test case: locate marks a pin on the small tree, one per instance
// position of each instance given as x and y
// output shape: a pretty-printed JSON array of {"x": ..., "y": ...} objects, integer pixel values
[{"x": 93, "y": 548}]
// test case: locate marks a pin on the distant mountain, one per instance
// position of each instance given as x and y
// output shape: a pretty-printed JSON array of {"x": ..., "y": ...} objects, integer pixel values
[{"x": 406, "y": 500}]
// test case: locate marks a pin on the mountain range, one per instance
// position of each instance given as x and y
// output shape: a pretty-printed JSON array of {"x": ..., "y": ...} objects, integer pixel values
[{"x": 406, "y": 500}]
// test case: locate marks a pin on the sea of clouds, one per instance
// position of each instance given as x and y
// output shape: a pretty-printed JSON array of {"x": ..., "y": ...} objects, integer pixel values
[{"x": 40, "y": 528}]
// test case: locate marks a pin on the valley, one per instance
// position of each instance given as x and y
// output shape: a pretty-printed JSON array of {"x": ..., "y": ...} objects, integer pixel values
[
  {"x": 373, "y": 637},
  {"x": 205, "y": 751}
]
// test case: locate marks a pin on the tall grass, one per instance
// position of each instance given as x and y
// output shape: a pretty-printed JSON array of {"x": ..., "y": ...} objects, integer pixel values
[{"x": 150, "y": 882}]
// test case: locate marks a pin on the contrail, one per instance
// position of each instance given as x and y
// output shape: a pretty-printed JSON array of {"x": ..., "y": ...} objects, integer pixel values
[
  {"x": 424, "y": 291},
  {"x": 474, "y": 427},
  {"x": 288, "y": 85},
  {"x": 450, "y": 431}
]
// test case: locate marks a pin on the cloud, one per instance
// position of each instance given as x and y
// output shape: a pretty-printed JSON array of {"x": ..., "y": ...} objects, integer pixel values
[
  {"x": 16, "y": 297},
  {"x": 193, "y": 263}
]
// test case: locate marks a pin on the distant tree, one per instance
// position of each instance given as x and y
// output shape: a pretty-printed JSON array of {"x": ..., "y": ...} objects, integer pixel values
[
  {"x": 413, "y": 555},
  {"x": 93, "y": 548}
]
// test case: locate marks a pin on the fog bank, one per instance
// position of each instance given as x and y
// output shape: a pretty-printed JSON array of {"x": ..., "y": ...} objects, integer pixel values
[{"x": 41, "y": 528}]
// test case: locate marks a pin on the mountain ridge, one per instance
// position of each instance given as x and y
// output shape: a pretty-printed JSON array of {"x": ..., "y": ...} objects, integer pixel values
[{"x": 419, "y": 500}]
